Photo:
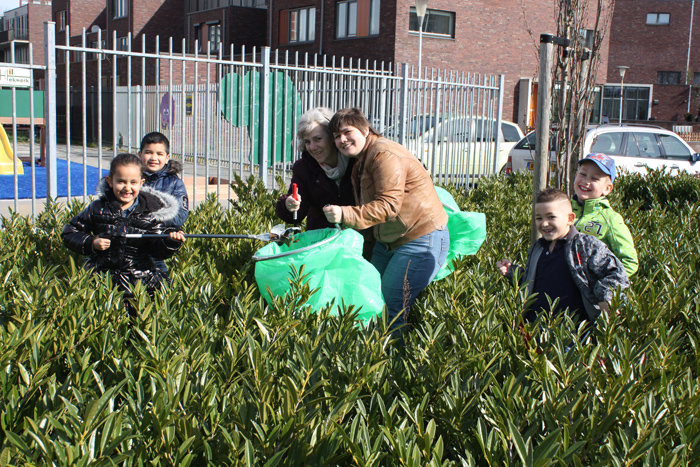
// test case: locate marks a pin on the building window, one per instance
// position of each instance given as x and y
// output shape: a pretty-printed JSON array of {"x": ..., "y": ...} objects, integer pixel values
[
  {"x": 696, "y": 78},
  {"x": 436, "y": 22},
  {"x": 668, "y": 77},
  {"x": 201, "y": 5},
  {"x": 635, "y": 105},
  {"x": 119, "y": 8},
  {"x": 587, "y": 37},
  {"x": 301, "y": 25},
  {"x": 658, "y": 18},
  {"x": 19, "y": 26},
  {"x": 61, "y": 20},
  {"x": 95, "y": 45},
  {"x": 347, "y": 19},
  {"x": 214, "y": 31},
  {"x": 357, "y": 18},
  {"x": 198, "y": 37},
  {"x": 123, "y": 43}
]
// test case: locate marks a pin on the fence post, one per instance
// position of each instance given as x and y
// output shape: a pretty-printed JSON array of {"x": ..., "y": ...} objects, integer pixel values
[
  {"x": 50, "y": 108},
  {"x": 499, "y": 119},
  {"x": 264, "y": 113},
  {"x": 382, "y": 105},
  {"x": 404, "y": 104}
]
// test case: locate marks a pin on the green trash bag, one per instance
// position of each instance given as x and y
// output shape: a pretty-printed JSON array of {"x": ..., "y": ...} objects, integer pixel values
[
  {"x": 467, "y": 232},
  {"x": 333, "y": 262}
]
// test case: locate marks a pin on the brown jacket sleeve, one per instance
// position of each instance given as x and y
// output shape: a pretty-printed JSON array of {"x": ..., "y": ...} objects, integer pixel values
[
  {"x": 396, "y": 195},
  {"x": 387, "y": 183}
]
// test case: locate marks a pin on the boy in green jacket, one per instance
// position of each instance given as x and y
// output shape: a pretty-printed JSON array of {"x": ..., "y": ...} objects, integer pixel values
[{"x": 594, "y": 216}]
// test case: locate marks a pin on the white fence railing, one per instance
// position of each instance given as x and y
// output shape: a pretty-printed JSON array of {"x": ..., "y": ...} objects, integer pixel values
[{"x": 226, "y": 116}]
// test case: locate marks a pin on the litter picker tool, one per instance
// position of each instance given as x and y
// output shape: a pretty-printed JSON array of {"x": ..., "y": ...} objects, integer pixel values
[
  {"x": 295, "y": 195},
  {"x": 278, "y": 233}
]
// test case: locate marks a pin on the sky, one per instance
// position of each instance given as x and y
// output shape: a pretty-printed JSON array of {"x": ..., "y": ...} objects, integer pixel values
[{"x": 8, "y": 5}]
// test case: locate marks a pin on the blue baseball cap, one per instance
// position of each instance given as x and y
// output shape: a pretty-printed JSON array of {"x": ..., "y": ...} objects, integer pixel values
[{"x": 605, "y": 162}]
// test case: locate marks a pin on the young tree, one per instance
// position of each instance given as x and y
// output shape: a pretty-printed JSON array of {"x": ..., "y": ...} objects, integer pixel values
[{"x": 586, "y": 23}]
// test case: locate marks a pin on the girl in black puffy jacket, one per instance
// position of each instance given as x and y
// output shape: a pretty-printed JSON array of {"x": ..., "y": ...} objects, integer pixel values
[{"x": 125, "y": 207}]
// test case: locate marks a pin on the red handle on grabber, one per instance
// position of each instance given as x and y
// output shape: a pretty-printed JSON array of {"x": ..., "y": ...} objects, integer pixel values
[{"x": 295, "y": 195}]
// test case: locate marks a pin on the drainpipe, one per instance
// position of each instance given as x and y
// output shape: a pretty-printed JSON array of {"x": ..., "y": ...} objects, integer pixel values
[
  {"x": 687, "y": 62},
  {"x": 269, "y": 43}
]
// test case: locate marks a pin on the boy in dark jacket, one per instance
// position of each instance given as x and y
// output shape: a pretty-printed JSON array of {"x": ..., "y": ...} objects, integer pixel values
[
  {"x": 161, "y": 174},
  {"x": 578, "y": 269},
  {"x": 125, "y": 207}
]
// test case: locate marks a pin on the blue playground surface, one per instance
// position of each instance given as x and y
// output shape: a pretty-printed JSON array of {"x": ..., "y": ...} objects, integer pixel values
[{"x": 24, "y": 182}]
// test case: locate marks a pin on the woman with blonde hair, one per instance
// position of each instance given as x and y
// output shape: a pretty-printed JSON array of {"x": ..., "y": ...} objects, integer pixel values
[{"x": 322, "y": 175}]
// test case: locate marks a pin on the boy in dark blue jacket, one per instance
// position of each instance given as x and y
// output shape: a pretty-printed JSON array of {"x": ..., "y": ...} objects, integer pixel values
[
  {"x": 577, "y": 269},
  {"x": 161, "y": 174}
]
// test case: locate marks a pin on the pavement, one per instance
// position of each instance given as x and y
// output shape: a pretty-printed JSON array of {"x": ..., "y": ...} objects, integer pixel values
[{"x": 26, "y": 207}]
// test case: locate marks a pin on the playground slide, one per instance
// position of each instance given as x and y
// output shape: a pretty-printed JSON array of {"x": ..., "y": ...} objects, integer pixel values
[{"x": 6, "y": 156}]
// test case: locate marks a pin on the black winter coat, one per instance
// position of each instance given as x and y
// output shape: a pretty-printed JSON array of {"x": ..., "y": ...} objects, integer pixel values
[
  {"x": 316, "y": 190},
  {"x": 128, "y": 260},
  {"x": 167, "y": 181}
]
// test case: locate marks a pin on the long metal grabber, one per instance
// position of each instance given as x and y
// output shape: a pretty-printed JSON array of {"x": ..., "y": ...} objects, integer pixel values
[{"x": 278, "y": 232}]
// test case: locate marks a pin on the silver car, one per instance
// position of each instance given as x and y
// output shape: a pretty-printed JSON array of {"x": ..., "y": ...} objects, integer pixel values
[
  {"x": 455, "y": 147},
  {"x": 633, "y": 147}
]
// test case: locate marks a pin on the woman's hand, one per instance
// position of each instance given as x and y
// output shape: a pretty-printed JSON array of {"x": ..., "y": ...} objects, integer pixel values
[
  {"x": 334, "y": 214},
  {"x": 292, "y": 204}
]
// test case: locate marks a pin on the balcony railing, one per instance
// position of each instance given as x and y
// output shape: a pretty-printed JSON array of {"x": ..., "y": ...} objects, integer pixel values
[{"x": 14, "y": 35}]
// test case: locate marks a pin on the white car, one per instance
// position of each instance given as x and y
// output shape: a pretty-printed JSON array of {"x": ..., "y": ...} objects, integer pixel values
[
  {"x": 457, "y": 146},
  {"x": 633, "y": 147}
]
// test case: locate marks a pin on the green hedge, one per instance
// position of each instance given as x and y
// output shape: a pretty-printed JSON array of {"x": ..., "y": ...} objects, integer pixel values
[{"x": 209, "y": 375}]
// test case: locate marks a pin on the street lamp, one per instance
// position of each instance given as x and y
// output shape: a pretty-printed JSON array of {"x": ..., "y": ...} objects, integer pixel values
[
  {"x": 622, "y": 70},
  {"x": 421, "y": 6}
]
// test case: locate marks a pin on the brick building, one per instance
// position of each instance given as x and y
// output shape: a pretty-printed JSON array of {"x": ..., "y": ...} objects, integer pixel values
[
  {"x": 659, "y": 40},
  {"x": 479, "y": 36},
  {"x": 237, "y": 22},
  {"x": 119, "y": 24},
  {"x": 22, "y": 26},
  {"x": 652, "y": 37}
]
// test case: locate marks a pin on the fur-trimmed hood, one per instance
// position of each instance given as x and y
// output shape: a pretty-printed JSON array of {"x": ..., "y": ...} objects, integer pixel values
[{"x": 163, "y": 206}]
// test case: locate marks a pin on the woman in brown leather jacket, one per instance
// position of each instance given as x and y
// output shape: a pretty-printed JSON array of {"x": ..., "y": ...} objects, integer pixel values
[{"x": 394, "y": 195}]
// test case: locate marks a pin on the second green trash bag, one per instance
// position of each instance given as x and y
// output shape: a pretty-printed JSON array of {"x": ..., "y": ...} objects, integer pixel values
[
  {"x": 334, "y": 265},
  {"x": 467, "y": 232}
]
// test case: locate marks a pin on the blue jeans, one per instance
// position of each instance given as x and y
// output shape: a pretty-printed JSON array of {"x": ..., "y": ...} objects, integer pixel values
[{"x": 408, "y": 269}]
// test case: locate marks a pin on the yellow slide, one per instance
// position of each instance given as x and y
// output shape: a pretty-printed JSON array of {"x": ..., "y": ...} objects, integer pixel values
[{"x": 6, "y": 156}]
